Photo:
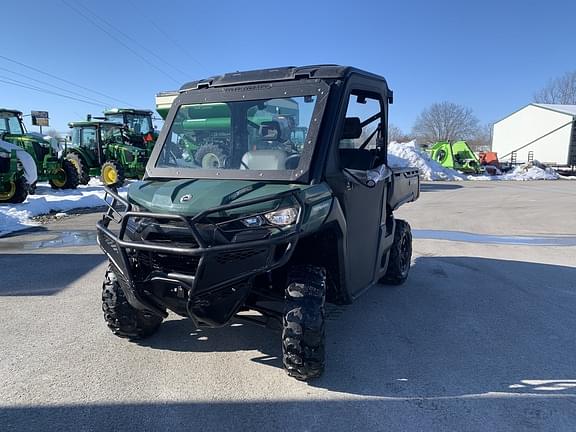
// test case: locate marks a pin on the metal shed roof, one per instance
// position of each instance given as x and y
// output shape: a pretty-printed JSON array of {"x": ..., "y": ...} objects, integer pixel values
[{"x": 565, "y": 109}]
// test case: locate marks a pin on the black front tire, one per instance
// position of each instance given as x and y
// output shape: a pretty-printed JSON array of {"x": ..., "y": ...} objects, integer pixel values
[
  {"x": 20, "y": 192},
  {"x": 400, "y": 255},
  {"x": 81, "y": 167},
  {"x": 69, "y": 174},
  {"x": 303, "y": 335},
  {"x": 113, "y": 174},
  {"x": 124, "y": 320}
]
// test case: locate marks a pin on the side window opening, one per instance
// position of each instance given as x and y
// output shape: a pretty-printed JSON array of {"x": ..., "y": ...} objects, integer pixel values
[{"x": 361, "y": 133}]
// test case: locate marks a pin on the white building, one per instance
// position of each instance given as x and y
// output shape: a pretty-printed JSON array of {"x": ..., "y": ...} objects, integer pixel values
[{"x": 538, "y": 131}]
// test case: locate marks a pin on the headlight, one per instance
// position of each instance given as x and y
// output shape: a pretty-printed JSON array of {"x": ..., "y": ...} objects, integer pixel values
[
  {"x": 254, "y": 221},
  {"x": 4, "y": 155},
  {"x": 282, "y": 217}
]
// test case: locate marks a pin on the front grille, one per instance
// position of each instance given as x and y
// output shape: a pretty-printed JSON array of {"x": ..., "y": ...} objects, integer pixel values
[
  {"x": 172, "y": 237},
  {"x": 238, "y": 255},
  {"x": 168, "y": 263}
]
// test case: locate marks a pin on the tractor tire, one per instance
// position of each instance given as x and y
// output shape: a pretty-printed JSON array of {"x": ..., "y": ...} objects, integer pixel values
[
  {"x": 400, "y": 255},
  {"x": 68, "y": 178},
  {"x": 303, "y": 335},
  {"x": 210, "y": 156},
  {"x": 81, "y": 167},
  {"x": 124, "y": 320},
  {"x": 18, "y": 192},
  {"x": 112, "y": 174}
]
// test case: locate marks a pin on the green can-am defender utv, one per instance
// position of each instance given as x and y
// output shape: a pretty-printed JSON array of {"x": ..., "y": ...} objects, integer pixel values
[
  {"x": 102, "y": 148},
  {"x": 51, "y": 165},
  {"x": 279, "y": 228},
  {"x": 139, "y": 128}
]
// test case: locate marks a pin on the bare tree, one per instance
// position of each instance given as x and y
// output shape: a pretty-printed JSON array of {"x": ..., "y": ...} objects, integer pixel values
[
  {"x": 53, "y": 133},
  {"x": 445, "y": 121},
  {"x": 561, "y": 90},
  {"x": 482, "y": 140},
  {"x": 396, "y": 134}
]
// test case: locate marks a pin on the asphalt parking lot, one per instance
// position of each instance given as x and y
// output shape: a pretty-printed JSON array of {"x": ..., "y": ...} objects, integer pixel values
[{"x": 480, "y": 338}]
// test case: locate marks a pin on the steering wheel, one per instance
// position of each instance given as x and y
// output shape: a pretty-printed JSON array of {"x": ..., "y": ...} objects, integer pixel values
[{"x": 292, "y": 161}]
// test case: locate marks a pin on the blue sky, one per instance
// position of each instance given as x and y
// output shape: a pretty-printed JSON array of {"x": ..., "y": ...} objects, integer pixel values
[{"x": 490, "y": 56}]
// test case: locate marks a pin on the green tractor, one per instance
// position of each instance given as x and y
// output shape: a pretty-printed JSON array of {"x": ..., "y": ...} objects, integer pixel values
[
  {"x": 103, "y": 148},
  {"x": 457, "y": 155},
  {"x": 51, "y": 166},
  {"x": 139, "y": 128},
  {"x": 14, "y": 186}
]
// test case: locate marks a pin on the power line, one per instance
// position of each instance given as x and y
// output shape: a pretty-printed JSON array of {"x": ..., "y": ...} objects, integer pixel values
[
  {"x": 55, "y": 86},
  {"x": 8, "y": 80},
  {"x": 133, "y": 40},
  {"x": 64, "y": 80},
  {"x": 120, "y": 41},
  {"x": 175, "y": 42}
]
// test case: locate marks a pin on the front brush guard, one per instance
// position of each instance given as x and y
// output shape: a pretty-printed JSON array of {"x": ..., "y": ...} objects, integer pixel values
[{"x": 116, "y": 247}]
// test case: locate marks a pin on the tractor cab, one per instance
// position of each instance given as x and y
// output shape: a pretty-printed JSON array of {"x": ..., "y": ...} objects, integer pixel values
[
  {"x": 139, "y": 128},
  {"x": 50, "y": 164},
  {"x": 94, "y": 137},
  {"x": 104, "y": 148}
]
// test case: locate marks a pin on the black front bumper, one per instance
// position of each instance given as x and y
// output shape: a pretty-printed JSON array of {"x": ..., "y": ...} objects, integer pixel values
[{"x": 207, "y": 282}]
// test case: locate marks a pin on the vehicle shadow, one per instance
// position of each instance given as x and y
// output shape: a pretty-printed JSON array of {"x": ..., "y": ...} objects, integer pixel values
[
  {"x": 436, "y": 186},
  {"x": 43, "y": 280},
  {"x": 459, "y": 326},
  {"x": 367, "y": 414}
]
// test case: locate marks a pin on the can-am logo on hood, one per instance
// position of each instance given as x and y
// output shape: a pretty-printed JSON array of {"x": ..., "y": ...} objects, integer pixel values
[{"x": 185, "y": 198}]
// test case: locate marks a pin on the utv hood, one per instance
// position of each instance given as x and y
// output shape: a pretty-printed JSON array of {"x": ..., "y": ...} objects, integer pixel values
[{"x": 190, "y": 197}]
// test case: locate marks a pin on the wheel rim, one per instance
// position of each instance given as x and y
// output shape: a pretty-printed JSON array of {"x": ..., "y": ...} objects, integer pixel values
[
  {"x": 210, "y": 160},
  {"x": 109, "y": 175},
  {"x": 59, "y": 179},
  {"x": 8, "y": 195}
]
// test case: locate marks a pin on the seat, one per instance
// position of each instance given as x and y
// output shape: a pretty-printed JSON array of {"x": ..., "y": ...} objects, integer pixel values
[{"x": 264, "y": 160}]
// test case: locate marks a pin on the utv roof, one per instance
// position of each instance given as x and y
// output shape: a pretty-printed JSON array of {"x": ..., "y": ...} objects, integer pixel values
[
  {"x": 127, "y": 110},
  {"x": 10, "y": 110},
  {"x": 288, "y": 73}
]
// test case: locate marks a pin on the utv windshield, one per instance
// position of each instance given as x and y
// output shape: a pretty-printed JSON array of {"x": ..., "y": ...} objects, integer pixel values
[
  {"x": 10, "y": 124},
  {"x": 265, "y": 137}
]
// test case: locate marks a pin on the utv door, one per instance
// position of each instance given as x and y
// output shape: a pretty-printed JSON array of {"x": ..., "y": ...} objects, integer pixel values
[{"x": 361, "y": 148}]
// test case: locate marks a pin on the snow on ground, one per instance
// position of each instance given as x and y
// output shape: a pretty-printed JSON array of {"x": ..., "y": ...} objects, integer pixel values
[
  {"x": 524, "y": 172},
  {"x": 15, "y": 217},
  {"x": 409, "y": 155}
]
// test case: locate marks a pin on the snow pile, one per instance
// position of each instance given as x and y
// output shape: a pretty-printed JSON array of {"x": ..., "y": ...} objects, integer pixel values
[
  {"x": 529, "y": 171},
  {"x": 15, "y": 217},
  {"x": 401, "y": 155}
]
